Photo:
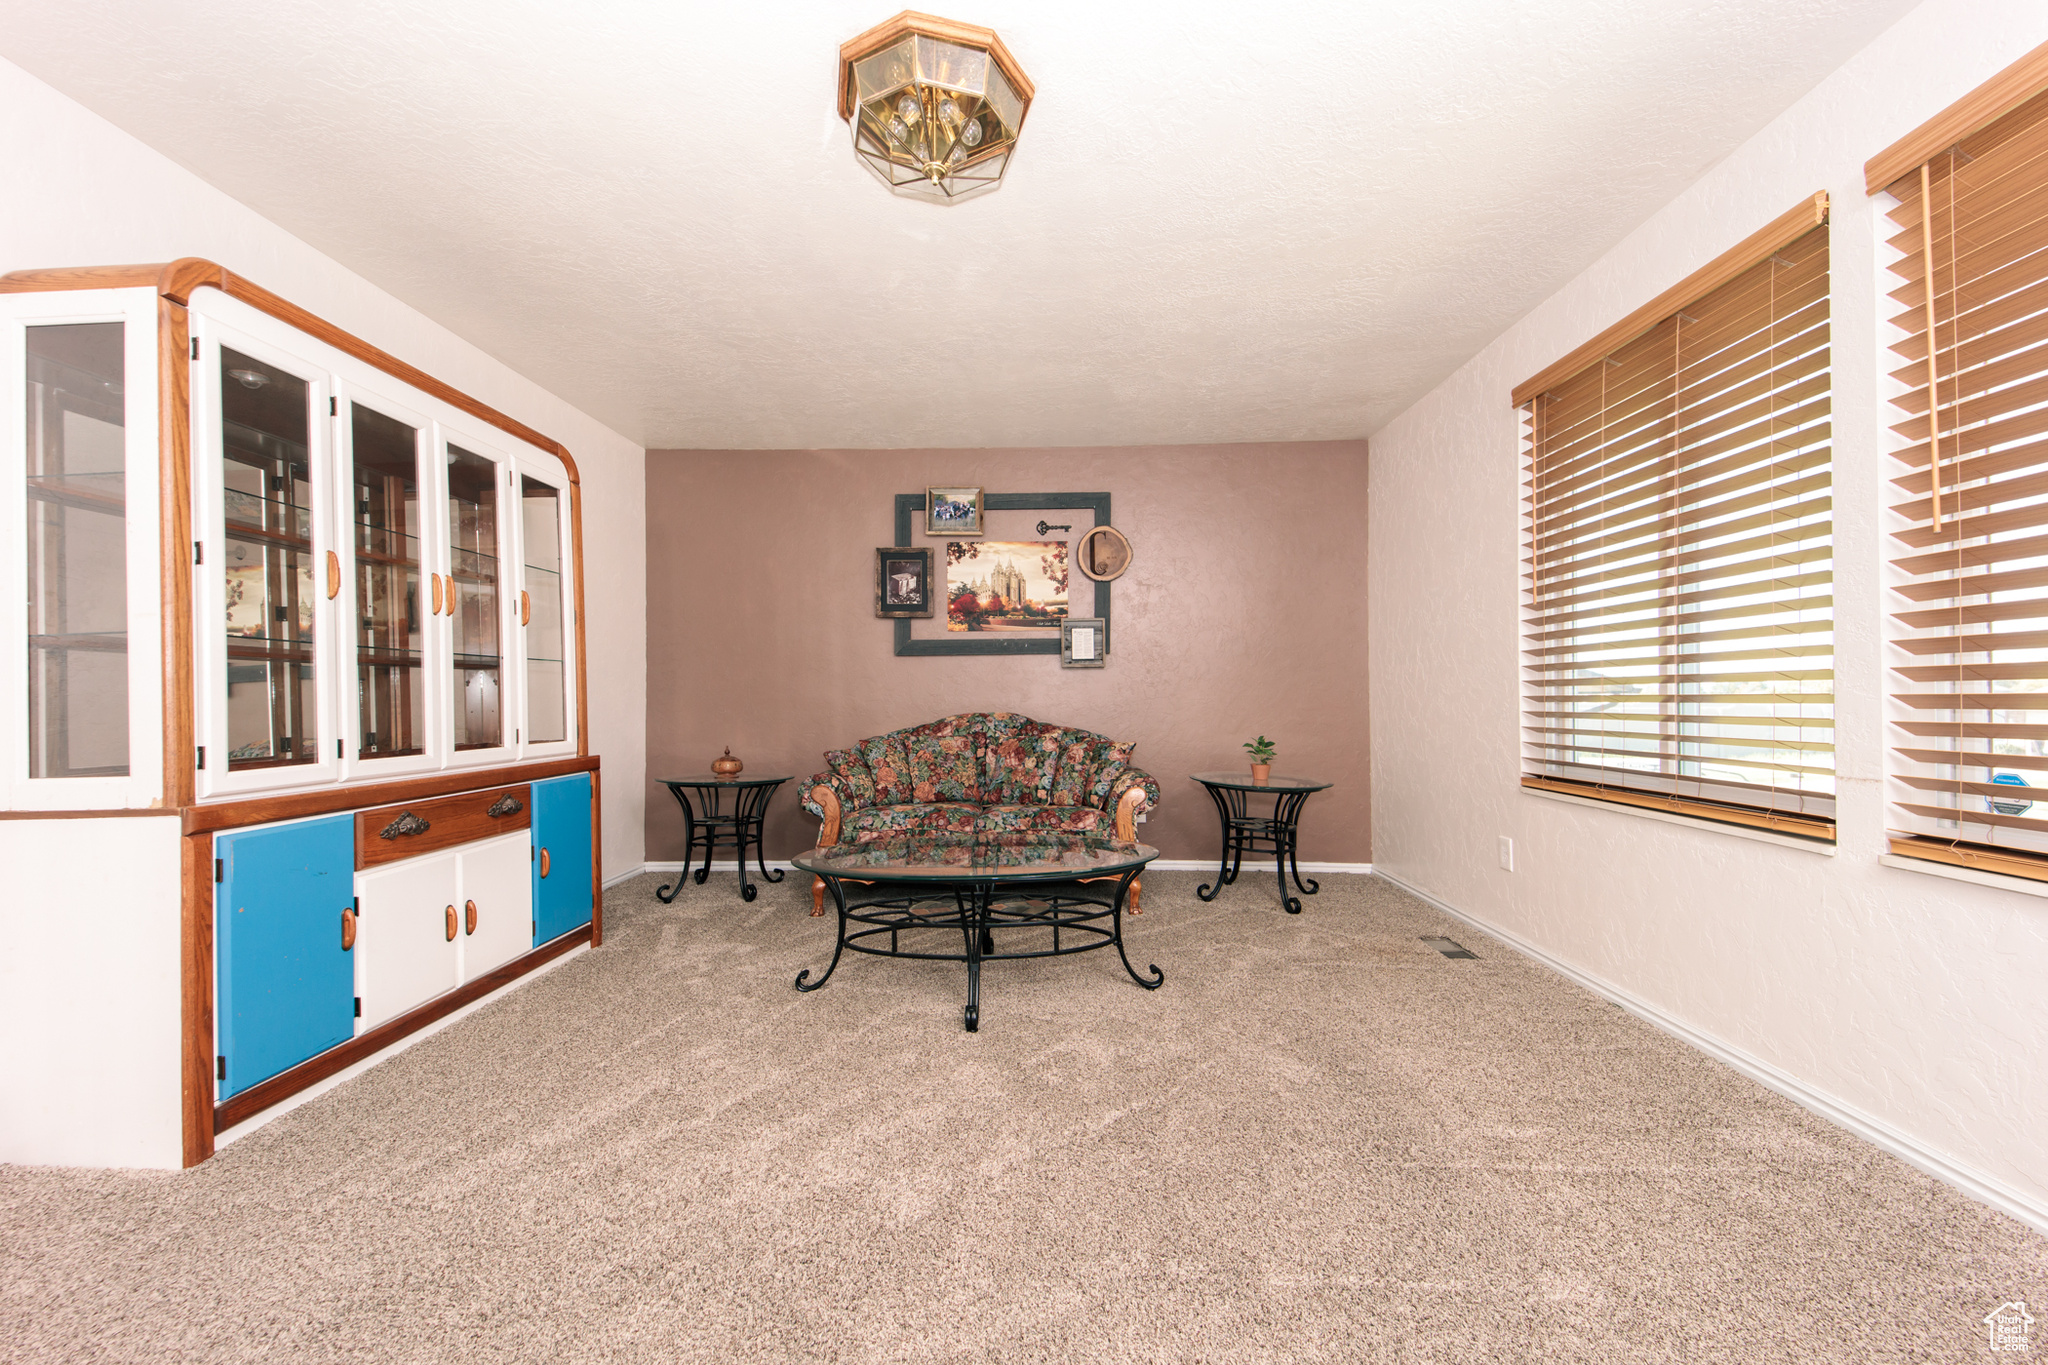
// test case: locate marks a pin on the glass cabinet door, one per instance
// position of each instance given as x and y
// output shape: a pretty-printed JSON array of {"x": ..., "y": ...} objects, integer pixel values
[
  {"x": 385, "y": 585},
  {"x": 81, "y": 607},
  {"x": 542, "y": 616},
  {"x": 474, "y": 599},
  {"x": 390, "y": 508},
  {"x": 266, "y": 479},
  {"x": 263, "y": 614},
  {"x": 77, "y": 551}
]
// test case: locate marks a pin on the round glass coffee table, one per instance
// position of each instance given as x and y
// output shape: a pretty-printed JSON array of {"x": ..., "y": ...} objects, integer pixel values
[{"x": 949, "y": 897}]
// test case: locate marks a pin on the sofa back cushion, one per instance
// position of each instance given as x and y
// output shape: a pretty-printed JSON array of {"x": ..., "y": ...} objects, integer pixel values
[
  {"x": 1088, "y": 765},
  {"x": 945, "y": 761},
  {"x": 888, "y": 762},
  {"x": 1019, "y": 760}
]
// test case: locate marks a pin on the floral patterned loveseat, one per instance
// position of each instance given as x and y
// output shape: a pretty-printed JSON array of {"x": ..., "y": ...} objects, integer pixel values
[{"x": 994, "y": 774}]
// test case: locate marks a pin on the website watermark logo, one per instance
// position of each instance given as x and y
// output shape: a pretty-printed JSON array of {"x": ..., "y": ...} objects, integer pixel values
[{"x": 2008, "y": 1324}]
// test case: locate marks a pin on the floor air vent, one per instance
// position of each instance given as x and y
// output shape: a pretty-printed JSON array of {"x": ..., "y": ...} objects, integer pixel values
[{"x": 1449, "y": 947}]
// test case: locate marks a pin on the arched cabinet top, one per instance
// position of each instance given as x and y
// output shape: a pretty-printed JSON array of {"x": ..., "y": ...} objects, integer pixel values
[{"x": 178, "y": 280}]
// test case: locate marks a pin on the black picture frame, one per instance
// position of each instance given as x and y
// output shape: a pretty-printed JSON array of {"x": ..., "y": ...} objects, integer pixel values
[
  {"x": 909, "y": 505},
  {"x": 916, "y": 559}
]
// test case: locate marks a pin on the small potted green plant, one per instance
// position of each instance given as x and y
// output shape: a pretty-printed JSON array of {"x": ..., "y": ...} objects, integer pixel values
[{"x": 1261, "y": 750}]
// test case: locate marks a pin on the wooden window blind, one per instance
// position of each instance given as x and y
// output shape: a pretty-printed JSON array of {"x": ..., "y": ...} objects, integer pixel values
[
  {"x": 1679, "y": 625},
  {"x": 1968, "y": 624}
]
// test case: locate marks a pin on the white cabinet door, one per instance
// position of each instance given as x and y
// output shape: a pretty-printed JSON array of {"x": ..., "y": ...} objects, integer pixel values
[
  {"x": 497, "y": 896},
  {"x": 404, "y": 954}
]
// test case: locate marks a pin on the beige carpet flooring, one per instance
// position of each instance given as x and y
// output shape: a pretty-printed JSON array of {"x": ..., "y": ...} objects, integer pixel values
[{"x": 1320, "y": 1141}]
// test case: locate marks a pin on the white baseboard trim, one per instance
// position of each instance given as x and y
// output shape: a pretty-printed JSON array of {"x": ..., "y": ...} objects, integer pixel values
[
  {"x": 626, "y": 876},
  {"x": 1160, "y": 864},
  {"x": 1982, "y": 1188},
  {"x": 727, "y": 866},
  {"x": 1265, "y": 866}
]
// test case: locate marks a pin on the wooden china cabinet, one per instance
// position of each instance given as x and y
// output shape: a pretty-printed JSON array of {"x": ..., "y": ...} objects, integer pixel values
[{"x": 294, "y": 751}]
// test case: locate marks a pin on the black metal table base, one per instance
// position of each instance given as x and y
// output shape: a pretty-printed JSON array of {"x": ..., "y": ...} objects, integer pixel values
[
  {"x": 1245, "y": 833},
  {"x": 1081, "y": 921},
  {"x": 738, "y": 827}
]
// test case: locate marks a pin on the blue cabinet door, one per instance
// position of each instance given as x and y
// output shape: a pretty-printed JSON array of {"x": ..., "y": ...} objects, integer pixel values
[
  {"x": 561, "y": 878},
  {"x": 285, "y": 985}
]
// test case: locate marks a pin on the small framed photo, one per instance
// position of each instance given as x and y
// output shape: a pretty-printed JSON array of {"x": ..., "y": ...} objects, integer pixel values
[
  {"x": 952, "y": 512},
  {"x": 1084, "y": 642},
  {"x": 903, "y": 581}
]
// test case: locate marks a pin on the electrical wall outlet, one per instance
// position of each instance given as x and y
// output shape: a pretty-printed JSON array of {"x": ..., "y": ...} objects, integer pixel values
[{"x": 1507, "y": 853}]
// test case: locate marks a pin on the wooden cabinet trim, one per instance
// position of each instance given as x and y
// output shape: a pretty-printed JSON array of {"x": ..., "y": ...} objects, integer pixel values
[
  {"x": 313, "y": 1070},
  {"x": 596, "y": 860},
  {"x": 174, "y": 554},
  {"x": 82, "y": 277},
  {"x": 111, "y": 813},
  {"x": 263, "y": 810},
  {"x": 195, "y": 996}
]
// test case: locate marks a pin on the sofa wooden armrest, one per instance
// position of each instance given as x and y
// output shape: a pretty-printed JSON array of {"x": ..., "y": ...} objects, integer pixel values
[{"x": 828, "y": 834}]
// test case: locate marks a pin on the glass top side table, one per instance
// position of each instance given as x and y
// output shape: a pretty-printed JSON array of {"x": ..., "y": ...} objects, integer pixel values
[
  {"x": 717, "y": 824},
  {"x": 1245, "y": 832}
]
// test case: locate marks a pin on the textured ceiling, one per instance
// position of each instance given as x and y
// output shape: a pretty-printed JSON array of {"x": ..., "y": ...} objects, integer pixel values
[{"x": 1281, "y": 221}]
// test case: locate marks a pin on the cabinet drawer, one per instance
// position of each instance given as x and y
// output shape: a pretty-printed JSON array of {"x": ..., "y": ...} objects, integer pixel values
[{"x": 389, "y": 833}]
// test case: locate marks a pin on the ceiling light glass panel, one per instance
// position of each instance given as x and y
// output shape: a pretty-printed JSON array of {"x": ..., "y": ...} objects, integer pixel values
[{"x": 935, "y": 107}]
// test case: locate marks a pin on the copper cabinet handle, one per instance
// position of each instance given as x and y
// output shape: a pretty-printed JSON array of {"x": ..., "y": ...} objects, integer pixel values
[
  {"x": 451, "y": 924},
  {"x": 525, "y": 608},
  {"x": 333, "y": 575},
  {"x": 543, "y": 863},
  {"x": 451, "y": 594},
  {"x": 437, "y": 594},
  {"x": 469, "y": 917},
  {"x": 348, "y": 930}
]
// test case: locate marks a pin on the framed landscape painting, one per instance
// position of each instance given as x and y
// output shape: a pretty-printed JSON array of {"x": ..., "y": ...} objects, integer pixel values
[{"x": 1005, "y": 585}]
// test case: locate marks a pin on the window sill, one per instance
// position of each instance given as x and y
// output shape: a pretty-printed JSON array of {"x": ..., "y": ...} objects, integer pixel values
[
  {"x": 1995, "y": 880},
  {"x": 1761, "y": 836}
]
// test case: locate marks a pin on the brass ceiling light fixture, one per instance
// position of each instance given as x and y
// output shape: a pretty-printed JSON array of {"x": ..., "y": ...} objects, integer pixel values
[{"x": 935, "y": 106}]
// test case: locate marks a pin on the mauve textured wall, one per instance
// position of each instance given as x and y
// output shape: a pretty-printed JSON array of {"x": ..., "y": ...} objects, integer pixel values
[{"x": 1244, "y": 611}]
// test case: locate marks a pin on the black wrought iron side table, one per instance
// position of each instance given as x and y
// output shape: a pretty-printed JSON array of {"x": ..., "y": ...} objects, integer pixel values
[
  {"x": 1245, "y": 832},
  {"x": 717, "y": 824}
]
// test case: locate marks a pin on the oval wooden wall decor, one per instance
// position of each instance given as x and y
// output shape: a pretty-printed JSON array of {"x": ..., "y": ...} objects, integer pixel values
[{"x": 1103, "y": 554}]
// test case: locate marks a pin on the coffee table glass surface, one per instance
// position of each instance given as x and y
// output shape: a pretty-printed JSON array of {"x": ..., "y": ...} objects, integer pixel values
[
  {"x": 1047, "y": 895},
  {"x": 943, "y": 857}
]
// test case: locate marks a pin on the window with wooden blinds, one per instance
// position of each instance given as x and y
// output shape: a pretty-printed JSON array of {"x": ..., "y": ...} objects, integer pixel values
[
  {"x": 1679, "y": 623},
  {"x": 1968, "y": 638}
]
